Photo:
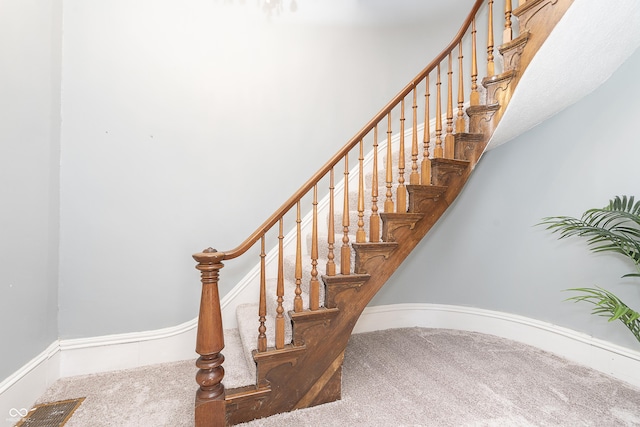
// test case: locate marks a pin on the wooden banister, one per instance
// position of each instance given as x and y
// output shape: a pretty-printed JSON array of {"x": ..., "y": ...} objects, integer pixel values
[
  {"x": 209, "y": 408},
  {"x": 298, "y": 362},
  {"x": 297, "y": 300},
  {"x": 280, "y": 290},
  {"x": 314, "y": 284},
  {"x": 425, "y": 166},
  {"x": 374, "y": 221},
  {"x": 490, "y": 63},
  {"x": 322, "y": 172},
  {"x": 262, "y": 304},
  {"x": 331, "y": 229},
  {"x": 210, "y": 340},
  {"x": 401, "y": 191}
]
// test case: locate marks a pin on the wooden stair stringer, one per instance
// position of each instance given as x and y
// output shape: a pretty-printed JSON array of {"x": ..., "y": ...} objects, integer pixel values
[
  {"x": 392, "y": 222},
  {"x": 481, "y": 118},
  {"x": 308, "y": 371},
  {"x": 381, "y": 268},
  {"x": 468, "y": 146},
  {"x": 536, "y": 19}
]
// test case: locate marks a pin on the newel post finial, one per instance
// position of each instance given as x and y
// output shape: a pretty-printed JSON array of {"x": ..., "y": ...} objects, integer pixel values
[{"x": 210, "y": 397}]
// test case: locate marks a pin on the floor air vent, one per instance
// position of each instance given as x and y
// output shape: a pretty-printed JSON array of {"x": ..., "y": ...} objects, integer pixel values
[{"x": 54, "y": 414}]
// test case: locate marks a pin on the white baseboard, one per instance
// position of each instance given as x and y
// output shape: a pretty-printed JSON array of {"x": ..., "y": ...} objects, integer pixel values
[
  {"x": 66, "y": 358},
  {"x": 617, "y": 361},
  {"x": 20, "y": 390},
  {"x": 125, "y": 351}
]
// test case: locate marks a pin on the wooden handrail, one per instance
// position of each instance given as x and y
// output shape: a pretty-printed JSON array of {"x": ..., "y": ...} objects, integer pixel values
[{"x": 344, "y": 151}]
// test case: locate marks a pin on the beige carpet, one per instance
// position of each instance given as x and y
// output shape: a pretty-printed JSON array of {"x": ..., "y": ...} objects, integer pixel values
[{"x": 401, "y": 377}]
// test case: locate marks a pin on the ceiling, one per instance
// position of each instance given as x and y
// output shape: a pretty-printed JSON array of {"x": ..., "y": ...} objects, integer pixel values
[
  {"x": 591, "y": 36},
  {"x": 366, "y": 12}
]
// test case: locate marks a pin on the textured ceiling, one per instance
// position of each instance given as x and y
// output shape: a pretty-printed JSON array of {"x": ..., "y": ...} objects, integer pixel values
[{"x": 591, "y": 41}]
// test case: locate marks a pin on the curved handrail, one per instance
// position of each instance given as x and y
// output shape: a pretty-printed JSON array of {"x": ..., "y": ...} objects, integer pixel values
[{"x": 275, "y": 217}]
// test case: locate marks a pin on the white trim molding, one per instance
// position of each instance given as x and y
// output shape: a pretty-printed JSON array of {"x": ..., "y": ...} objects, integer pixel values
[
  {"x": 66, "y": 358},
  {"x": 20, "y": 390},
  {"x": 125, "y": 351}
]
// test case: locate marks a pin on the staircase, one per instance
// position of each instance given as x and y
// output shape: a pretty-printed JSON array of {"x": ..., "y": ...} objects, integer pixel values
[{"x": 393, "y": 193}]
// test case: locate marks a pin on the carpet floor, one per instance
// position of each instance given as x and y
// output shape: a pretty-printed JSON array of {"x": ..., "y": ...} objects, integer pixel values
[{"x": 399, "y": 377}]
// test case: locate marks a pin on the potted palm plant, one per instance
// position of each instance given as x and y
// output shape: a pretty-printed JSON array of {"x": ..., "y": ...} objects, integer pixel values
[{"x": 614, "y": 228}]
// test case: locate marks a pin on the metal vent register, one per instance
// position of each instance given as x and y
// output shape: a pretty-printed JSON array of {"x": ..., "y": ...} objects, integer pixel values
[{"x": 54, "y": 414}]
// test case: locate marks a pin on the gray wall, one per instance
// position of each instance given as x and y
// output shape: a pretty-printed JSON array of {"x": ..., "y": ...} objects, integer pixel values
[
  {"x": 30, "y": 42},
  {"x": 486, "y": 251},
  {"x": 172, "y": 110},
  {"x": 181, "y": 124}
]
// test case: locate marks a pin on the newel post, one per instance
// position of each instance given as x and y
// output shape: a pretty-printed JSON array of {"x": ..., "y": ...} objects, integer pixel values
[{"x": 210, "y": 397}]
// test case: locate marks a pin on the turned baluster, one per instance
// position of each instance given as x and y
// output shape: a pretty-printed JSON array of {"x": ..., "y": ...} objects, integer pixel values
[
  {"x": 262, "y": 305},
  {"x": 314, "y": 284},
  {"x": 414, "y": 178},
  {"x": 438, "y": 152},
  {"x": 280, "y": 293},
  {"x": 401, "y": 191},
  {"x": 388, "y": 203},
  {"x": 361, "y": 235},
  {"x": 508, "y": 32},
  {"x": 425, "y": 169},
  {"x": 345, "y": 252},
  {"x": 448, "y": 139},
  {"x": 297, "y": 300},
  {"x": 374, "y": 221},
  {"x": 210, "y": 397},
  {"x": 490, "y": 64},
  {"x": 475, "y": 94},
  {"x": 331, "y": 265},
  {"x": 460, "y": 123}
]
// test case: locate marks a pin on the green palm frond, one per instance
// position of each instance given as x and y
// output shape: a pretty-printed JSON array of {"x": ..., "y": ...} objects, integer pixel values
[
  {"x": 614, "y": 228},
  {"x": 608, "y": 305}
]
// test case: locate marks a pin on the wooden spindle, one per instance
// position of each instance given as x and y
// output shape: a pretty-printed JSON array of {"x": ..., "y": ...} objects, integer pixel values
[
  {"x": 262, "y": 305},
  {"x": 314, "y": 284},
  {"x": 475, "y": 94},
  {"x": 210, "y": 396},
  {"x": 490, "y": 64},
  {"x": 401, "y": 191},
  {"x": 414, "y": 178},
  {"x": 345, "y": 252},
  {"x": 280, "y": 292},
  {"x": 331, "y": 265},
  {"x": 448, "y": 139},
  {"x": 507, "y": 36},
  {"x": 374, "y": 221},
  {"x": 297, "y": 300},
  {"x": 438, "y": 152},
  {"x": 361, "y": 235},
  {"x": 460, "y": 123},
  {"x": 425, "y": 167},
  {"x": 388, "y": 203}
]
